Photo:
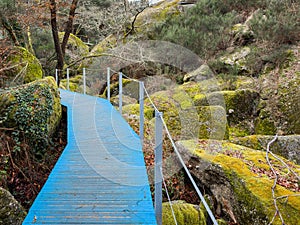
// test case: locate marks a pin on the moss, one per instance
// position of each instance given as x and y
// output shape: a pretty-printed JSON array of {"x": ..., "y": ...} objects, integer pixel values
[
  {"x": 28, "y": 66},
  {"x": 108, "y": 43},
  {"x": 74, "y": 83},
  {"x": 168, "y": 106},
  {"x": 213, "y": 122},
  {"x": 252, "y": 191},
  {"x": 134, "y": 109},
  {"x": 185, "y": 214},
  {"x": 11, "y": 212},
  {"x": 184, "y": 100},
  {"x": 155, "y": 14},
  {"x": 240, "y": 104}
]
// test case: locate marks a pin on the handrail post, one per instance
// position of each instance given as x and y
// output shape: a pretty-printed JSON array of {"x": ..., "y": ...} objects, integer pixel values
[
  {"x": 141, "y": 102},
  {"x": 84, "y": 81},
  {"x": 56, "y": 76},
  {"x": 158, "y": 167},
  {"x": 120, "y": 92},
  {"x": 108, "y": 84},
  {"x": 68, "y": 79}
]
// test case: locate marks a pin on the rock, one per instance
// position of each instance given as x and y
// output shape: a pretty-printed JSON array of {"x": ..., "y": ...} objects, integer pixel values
[
  {"x": 212, "y": 122},
  {"x": 236, "y": 178},
  {"x": 126, "y": 100},
  {"x": 33, "y": 108},
  {"x": 237, "y": 60},
  {"x": 108, "y": 43},
  {"x": 286, "y": 146},
  {"x": 26, "y": 68},
  {"x": 280, "y": 106},
  {"x": 134, "y": 109},
  {"x": 179, "y": 112},
  {"x": 202, "y": 73},
  {"x": 185, "y": 214},
  {"x": 11, "y": 212},
  {"x": 75, "y": 49},
  {"x": 155, "y": 14},
  {"x": 242, "y": 34},
  {"x": 242, "y": 104},
  {"x": 74, "y": 84}
]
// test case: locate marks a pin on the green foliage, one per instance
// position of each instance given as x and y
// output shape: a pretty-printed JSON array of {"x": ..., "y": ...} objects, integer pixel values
[
  {"x": 278, "y": 23},
  {"x": 35, "y": 107},
  {"x": 202, "y": 29}
]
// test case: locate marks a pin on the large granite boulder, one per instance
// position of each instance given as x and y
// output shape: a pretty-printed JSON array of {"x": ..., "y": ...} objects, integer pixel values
[{"x": 11, "y": 212}]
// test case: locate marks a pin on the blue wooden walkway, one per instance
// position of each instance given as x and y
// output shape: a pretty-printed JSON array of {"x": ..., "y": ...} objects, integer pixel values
[{"x": 100, "y": 177}]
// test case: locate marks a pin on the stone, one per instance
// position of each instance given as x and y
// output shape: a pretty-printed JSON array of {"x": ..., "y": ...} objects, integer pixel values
[
  {"x": 33, "y": 108},
  {"x": 185, "y": 213},
  {"x": 11, "y": 212},
  {"x": 200, "y": 74},
  {"x": 241, "y": 103},
  {"x": 286, "y": 146},
  {"x": 25, "y": 68},
  {"x": 229, "y": 173}
]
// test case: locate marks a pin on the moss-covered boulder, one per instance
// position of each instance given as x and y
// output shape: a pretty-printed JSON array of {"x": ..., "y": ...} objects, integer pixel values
[
  {"x": 280, "y": 107},
  {"x": 126, "y": 100},
  {"x": 32, "y": 108},
  {"x": 11, "y": 212},
  {"x": 108, "y": 43},
  {"x": 75, "y": 83},
  {"x": 185, "y": 213},
  {"x": 76, "y": 48},
  {"x": 212, "y": 122},
  {"x": 237, "y": 60},
  {"x": 239, "y": 104},
  {"x": 25, "y": 68},
  {"x": 134, "y": 109},
  {"x": 240, "y": 182},
  {"x": 202, "y": 73},
  {"x": 155, "y": 14},
  {"x": 286, "y": 146}
]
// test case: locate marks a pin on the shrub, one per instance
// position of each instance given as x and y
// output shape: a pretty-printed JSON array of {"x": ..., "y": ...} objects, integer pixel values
[{"x": 279, "y": 23}]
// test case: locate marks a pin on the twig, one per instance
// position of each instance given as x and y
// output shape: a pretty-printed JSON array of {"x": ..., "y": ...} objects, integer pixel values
[
  {"x": 14, "y": 165},
  {"x": 277, "y": 212}
]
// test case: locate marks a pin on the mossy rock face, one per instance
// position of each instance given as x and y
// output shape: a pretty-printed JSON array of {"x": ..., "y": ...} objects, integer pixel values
[
  {"x": 11, "y": 212},
  {"x": 32, "y": 108},
  {"x": 108, "y": 43},
  {"x": 27, "y": 68},
  {"x": 185, "y": 214},
  {"x": 75, "y": 49},
  {"x": 134, "y": 109},
  {"x": 237, "y": 60},
  {"x": 126, "y": 100},
  {"x": 75, "y": 84},
  {"x": 281, "y": 94},
  {"x": 213, "y": 122},
  {"x": 155, "y": 14},
  {"x": 179, "y": 113},
  {"x": 168, "y": 106},
  {"x": 202, "y": 73},
  {"x": 200, "y": 88},
  {"x": 286, "y": 146},
  {"x": 239, "y": 181},
  {"x": 239, "y": 104}
]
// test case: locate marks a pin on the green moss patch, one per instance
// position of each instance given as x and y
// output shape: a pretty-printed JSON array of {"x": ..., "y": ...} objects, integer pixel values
[{"x": 251, "y": 180}]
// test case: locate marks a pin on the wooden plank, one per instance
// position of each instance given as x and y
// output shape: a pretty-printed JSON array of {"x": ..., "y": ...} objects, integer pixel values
[{"x": 100, "y": 177}]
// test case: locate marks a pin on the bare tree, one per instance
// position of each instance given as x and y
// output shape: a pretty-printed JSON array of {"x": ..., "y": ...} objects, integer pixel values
[{"x": 60, "y": 48}]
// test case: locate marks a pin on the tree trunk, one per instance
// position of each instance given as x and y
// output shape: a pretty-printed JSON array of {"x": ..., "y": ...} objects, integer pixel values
[
  {"x": 58, "y": 50},
  {"x": 9, "y": 29},
  {"x": 69, "y": 26}
]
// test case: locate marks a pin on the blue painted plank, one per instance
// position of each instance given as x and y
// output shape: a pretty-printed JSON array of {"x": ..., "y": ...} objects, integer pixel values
[{"x": 100, "y": 177}]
